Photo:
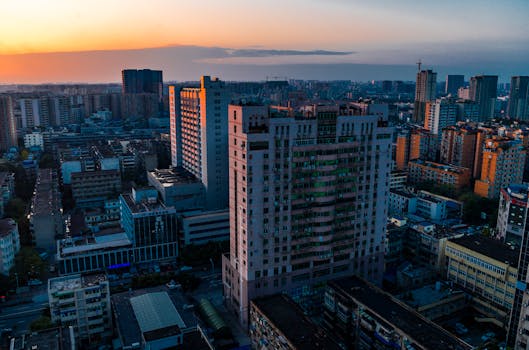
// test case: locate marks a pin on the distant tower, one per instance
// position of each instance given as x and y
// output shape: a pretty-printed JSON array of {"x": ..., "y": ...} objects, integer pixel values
[
  {"x": 424, "y": 92},
  {"x": 453, "y": 83},
  {"x": 483, "y": 90},
  {"x": 8, "y": 129},
  {"x": 518, "y": 107}
]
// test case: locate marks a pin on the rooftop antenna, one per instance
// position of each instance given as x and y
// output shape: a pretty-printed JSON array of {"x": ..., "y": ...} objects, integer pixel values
[{"x": 419, "y": 63}]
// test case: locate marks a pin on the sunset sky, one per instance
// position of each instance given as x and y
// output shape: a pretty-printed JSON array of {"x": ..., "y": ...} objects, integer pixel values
[{"x": 47, "y": 40}]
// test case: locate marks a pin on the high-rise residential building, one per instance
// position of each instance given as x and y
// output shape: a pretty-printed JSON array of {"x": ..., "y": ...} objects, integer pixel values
[
  {"x": 139, "y": 81},
  {"x": 453, "y": 83},
  {"x": 502, "y": 164},
  {"x": 425, "y": 91},
  {"x": 175, "y": 126},
  {"x": 440, "y": 114},
  {"x": 8, "y": 129},
  {"x": 308, "y": 200},
  {"x": 402, "y": 150},
  {"x": 483, "y": 90},
  {"x": 458, "y": 146},
  {"x": 518, "y": 107},
  {"x": 199, "y": 137},
  {"x": 83, "y": 302},
  {"x": 423, "y": 144},
  {"x": 512, "y": 213}
]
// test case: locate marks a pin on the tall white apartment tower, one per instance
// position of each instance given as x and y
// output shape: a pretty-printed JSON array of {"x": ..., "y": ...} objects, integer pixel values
[
  {"x": 199, "y": 136},
  {"x": 308, "y": 198}
]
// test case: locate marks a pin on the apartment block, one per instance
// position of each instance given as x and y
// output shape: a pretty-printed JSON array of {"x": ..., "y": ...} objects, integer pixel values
[
  {"x": 199, "y": 136},
  {"x": 440, "y": 174},
  {"x": 83, "y": 302},
  {"x": 92, "y": 188},
  {"x": 277, "y": 322},
  {"x": 458, "y": 146},
  {"x": 503, "y": 161},
  {"x": 308, "y": 200},
  {"x": 361, "y": 316}
]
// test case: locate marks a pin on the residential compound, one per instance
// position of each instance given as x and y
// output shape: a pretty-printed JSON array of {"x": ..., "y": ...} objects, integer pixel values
[
  {"x": 308, "y": 200},
  {"x": 82, "y": 301},
  {"x": 361, "y": 316}
]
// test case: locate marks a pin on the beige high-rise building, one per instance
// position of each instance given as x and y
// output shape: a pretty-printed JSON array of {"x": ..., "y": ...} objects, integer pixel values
[{"x": 308, "y": 200}]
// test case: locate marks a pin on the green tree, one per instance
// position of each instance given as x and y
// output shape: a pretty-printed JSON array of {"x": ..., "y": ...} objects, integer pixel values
[{"x": 41, "y": 323}]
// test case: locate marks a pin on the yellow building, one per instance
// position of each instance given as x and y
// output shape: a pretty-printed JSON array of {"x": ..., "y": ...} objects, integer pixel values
[{"x": 486, "y": 269}]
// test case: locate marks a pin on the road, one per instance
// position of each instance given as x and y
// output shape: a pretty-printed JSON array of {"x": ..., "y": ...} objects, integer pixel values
[{"x": 19, "y": 317}]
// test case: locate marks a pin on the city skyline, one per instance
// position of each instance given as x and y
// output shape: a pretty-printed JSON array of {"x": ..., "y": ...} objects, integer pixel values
[{"x": 301, "y": 40}]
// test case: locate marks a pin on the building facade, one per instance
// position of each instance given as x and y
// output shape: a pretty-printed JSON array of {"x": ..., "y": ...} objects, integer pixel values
[
  {"x": 9, "y": 244},
  {"x": 518, "y": 107},
  {"x": 308, "y": 200},
  {"x": 425, "y": 91},
  {"x": 487, "y": 269},
  {"x": 200, "y": 135},
  {"x": 483, "y": 90},
  {"x": 502, "y": 164},
  {"x": 440, "y": 174},
  {"x": 512, "y": 214}
]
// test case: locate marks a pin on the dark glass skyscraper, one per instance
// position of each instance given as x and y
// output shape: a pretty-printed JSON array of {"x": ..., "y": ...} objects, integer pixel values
[
  {"x": 518, "y": 107},
  {"x": 138, "y": 81},
  {"x": 453, "y": 83},
  {"x": 484, "y": 90}
]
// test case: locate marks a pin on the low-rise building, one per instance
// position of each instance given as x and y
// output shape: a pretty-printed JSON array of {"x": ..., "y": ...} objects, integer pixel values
[
  {"x": 178, "y": 188},
  {"x": 9, "y": 244},
  {"x": 487, "y": 270},
  {"x": 435, "y": 301},
  {"x": 204, "y": 226},
  {"x": 277, "y": 322},
  {"x": 361, "y": 316},
  {"x": 420, "y": 171},
  {"x": 156, "y": 318},
  {"x": 83, "y": 302},
  {"x": 92, "y": 188}
]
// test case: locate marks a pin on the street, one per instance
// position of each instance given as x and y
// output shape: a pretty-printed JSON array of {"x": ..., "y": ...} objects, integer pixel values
[{"x": 19, "y": 317}]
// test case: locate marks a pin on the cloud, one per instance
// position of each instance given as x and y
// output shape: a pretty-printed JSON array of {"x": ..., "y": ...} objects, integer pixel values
[{"x": 268, "y": 53}]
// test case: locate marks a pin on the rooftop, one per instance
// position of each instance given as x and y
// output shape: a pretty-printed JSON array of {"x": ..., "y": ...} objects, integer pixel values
[
  {"x": 127, "y": 323},
  {"x": 168, "y": 177},
  {"x": 430, "y": 294},
  {"x": 144, "y": 205},
  {"x": 418, "y": 329},
  {"x": 74, "y": 282},
  {"x": 290, "y": 320},
  {"x": 155, "y": 311},
  {"x": 84, "y": 244},
  {"x": 490, "y": 247},
  {"x": 444, "y": 167}
]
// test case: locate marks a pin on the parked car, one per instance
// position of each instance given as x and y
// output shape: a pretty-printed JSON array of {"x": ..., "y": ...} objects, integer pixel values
[{"x": 461, "y": 329}]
